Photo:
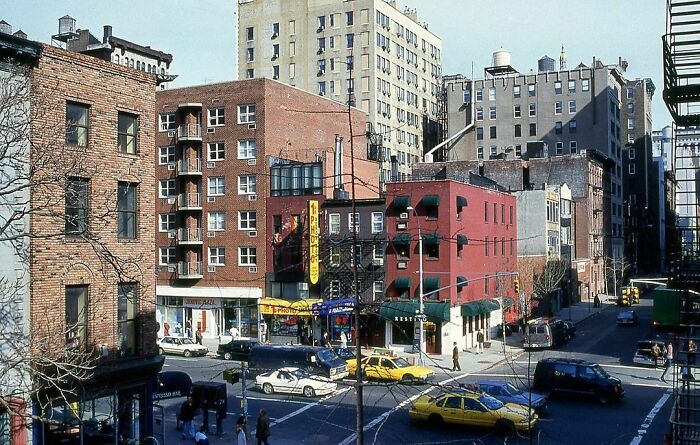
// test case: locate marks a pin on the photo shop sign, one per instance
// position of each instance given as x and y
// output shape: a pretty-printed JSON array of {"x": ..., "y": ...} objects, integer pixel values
[{"x": 202, "y": 303}]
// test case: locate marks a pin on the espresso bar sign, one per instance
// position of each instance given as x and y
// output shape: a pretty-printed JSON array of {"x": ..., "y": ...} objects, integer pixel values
[{"x": 202, "y": 303}]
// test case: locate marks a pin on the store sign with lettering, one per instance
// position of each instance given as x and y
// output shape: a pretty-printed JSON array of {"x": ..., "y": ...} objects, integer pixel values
[{"x": 202, "y": 303}]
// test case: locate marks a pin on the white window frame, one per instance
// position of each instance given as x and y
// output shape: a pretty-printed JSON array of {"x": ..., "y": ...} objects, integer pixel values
[
  {"x": 631, "y": 154},
  {"x": 492, "y": 93},
  {"x": 166, "y": 222},
  {"x": 517, "y": 111},
  {"x": 217, "y": 256},
  {"x": 334, "y": 255},
  {"x": 532, "y": 110},
  {"x": 216, "y": 151},
  {"x": 585, "y": 85},
  {"x": 166, "y": 155},
  {"x": 559, "y": 148},
  {"x": 558, "y": 107},
  {"x": 377, "y": 222},
  {"x": 354, "y": 220},
  {"x": 632, "y": 169},
  {"x": 247, "y": 220},
  {"x": 334, "y": 223},
  {"x": 166, "y": 188},
  {"x": 246, "y": 114},
  {"x": 216, "y": 183},
  {"x": 480, "y": 152},
  {"x": 572, "y": 106},
  {"x": 167, "y": 253},
  {"x": 248, "y": 253},
  {"x": 166, "y": 122},
  {"x": 573, "y": 147},
  {"x": 334, "y": 288},
  {"x": 247, "y": 185},
  {"x": 516, "y": 91},
  {"x": 379, "y": 291},
  {"x": 216, "y": 117},
  {"x": 216, "y": 221},
  {"x": 377, "y": 252},
  {"x": 247, "y": 149}
]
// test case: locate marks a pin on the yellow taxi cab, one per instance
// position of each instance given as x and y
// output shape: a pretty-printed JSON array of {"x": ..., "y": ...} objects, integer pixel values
[
  {"x": 381, "y": 367},
  {"x": 472, "y": 408}
]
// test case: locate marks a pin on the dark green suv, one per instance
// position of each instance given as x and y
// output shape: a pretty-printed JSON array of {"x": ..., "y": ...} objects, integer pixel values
[{"x": 576, "y": 377}]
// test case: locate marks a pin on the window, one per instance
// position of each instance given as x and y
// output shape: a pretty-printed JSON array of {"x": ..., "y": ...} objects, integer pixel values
[
  {"x": 486, "y": 246},
  {"x": 249, "y": 73},
  {"x": 349, "y": 40},
  {"x": 378, "y": 291},
  {"x": 631, "y": 153},
  {"x": 557, "y": 127},
  {"x": 533, "y": 130},
  {"x": 572, "y": 106},
  {"x": 492, "y": 132},
  {"x": 76, "y": 317},
  {"x": 510, "y": 210},
  {"x": 296, "y": 179},
  {"x": 216, "y": 151},
  {"x": 166, "y": 256},
  {"x": 246, "y": 114},
  {"x": 492, "y": 113},
  {"x": 276, "y": 72},
  {"x": 217, "y": 256},
  {"x": 518, "y": 150},
  {"x": 77, "y": 124},
  {"x": 350, "y": 85},
  {"x": 127, "y": 305},
  {"x": 572, "y": 86},
  {"x": 557, "y": 107},
  {"x": 247, "y": 185},
  {"x": 322, "y": 88},
  {"x": 349, "y": 18},
  {"x": 532, "y": 108},
  {"x": 247, "y": 220},
  {"x": 479, "y": 133},
  {"x": 216, "y": 117},
  {"x": 166, "y": 188},
  {"x": 334, "y": 289},
  {"x": 492, "y": 93},
  {"x": 354, "y": 222},
  {"x": 166, "y": 121},
  {"x": 632, "y": 169},
  {"x": 480, "y": 152},
  {"x": 126, "y": 210},
  {"x": 486, "y": 212},
  {"x": 516, "y": 110},
  {"x": 480, "y": 114},
  {"x": 630, "y": 123},
  {"x": 167, "y": 155},
  {"x": 126, "y": 133},
  {"x": 531, "y": 90},
  {"x": 275, "y": 51},
  {"x": 217, "y": 186},
  {"x": 76, "y": 206},
  {"x": 275, "y": 29},
  {"x": 557, "y": 87},
  {"x": 573, "y": 147},
  {"x": 559, "y": 148},
  {"x": 321, "y": 22},
  {"x": 247, "y": 256},
  {"x": 630, "y": 93},
  {"x": 250, "y": 33},
  {"x": 516, "y": 91},
  {"x": 334, "y": 223},
  {"x": 517, "y": 131},
  {"x": 494, "y": 151},
  {"x": 585, "y": 85},
  {"x": 166, "y": 222},
  {"x": 377, "y": 222},
  {"x": 250, "y": 54},
  {"x": 247, "y": 149},
  {"x": 216, "y": 221},
  {"x": 334, "y": 256},
  {"x": 630, "y": 107},
  {"x": 572, "y": 126},
  {"x": 479, "y": 95}
]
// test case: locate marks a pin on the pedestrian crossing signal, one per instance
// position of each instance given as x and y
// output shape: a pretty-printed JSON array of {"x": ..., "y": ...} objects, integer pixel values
[{"x": 516, "y": 285}]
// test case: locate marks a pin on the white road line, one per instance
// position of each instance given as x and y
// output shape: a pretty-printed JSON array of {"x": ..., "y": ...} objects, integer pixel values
[
  {"x": 646, "y": 423},
  {"x": 270, "y": 399},
  {"x": 351, "y": 438}
]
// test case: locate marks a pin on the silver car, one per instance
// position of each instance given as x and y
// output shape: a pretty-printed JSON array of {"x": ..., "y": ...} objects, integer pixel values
[{"x": 181, "y": 346}]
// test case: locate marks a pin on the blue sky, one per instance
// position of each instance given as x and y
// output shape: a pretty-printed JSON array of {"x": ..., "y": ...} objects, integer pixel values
[{"x": 201, "y": 34}]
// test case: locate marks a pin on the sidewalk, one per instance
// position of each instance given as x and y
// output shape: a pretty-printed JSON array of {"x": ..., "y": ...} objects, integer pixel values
[{"x": 581, "y": 311}]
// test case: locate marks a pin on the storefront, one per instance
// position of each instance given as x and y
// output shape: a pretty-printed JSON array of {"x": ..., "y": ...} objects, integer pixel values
[
  {"x": 289, "y": 320},
  {"x": 212, "y": 310},
  {"x": 336, "y": 317},
  {"x": 402, "y": 329}
]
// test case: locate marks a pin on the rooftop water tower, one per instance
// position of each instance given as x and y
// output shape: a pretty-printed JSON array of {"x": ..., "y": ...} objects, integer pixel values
[
  {"x": 66, "y": 29},
  {"x": 500, "y": 63}
]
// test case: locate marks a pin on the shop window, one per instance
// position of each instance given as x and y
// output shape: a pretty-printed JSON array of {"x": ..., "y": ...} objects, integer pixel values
[{"x": 432, "y": 251}]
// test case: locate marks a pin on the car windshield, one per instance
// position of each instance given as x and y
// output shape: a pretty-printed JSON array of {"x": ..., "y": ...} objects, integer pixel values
[
  {"x": 600, "y": 372},
  {"x": 300, "y": 374},
  {"x": 186, "y": 341},
  {"x": 512, "y": 390},
  {"x": 401, "y": 363},
  {"x": 327, "y": 355},
  {"x": 489, "y": 402}
]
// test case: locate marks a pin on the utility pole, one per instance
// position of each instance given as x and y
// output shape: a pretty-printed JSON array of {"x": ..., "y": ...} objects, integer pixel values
[{"x": 421, "y": 309}]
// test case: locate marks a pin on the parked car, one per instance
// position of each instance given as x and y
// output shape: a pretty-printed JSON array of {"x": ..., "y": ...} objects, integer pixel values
[
  {"x": 315, "y": 360},
  {"x": 570, "y": 330},
  {"x": 236, "y": 350},
  {"x": 472, "y": 409},
  {"x": 181, "y": 346},
  {"x": 347, "y": 354},
  {"x": 507, "y": 393},
  {"x": 627, "y": 318},
  {"x": 576, "y": 377},
  {"x": 544, "y": 333},
  {"x": 294, "y": 381},
  {"x": 380, "y": 367},
  {"x": 643, "y": 355}
]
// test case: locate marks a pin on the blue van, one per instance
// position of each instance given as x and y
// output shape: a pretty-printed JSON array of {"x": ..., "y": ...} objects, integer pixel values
[{"x": 315, "y": 360}]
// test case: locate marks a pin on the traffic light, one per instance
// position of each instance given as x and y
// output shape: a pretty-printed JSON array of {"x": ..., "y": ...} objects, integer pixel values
[
  {"x": 625, "y": 291},
  {"x": 516, "y": 285}
]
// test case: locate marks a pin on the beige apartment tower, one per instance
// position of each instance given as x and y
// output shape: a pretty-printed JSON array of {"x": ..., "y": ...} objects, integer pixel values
[{"x": 366, "y": 53}]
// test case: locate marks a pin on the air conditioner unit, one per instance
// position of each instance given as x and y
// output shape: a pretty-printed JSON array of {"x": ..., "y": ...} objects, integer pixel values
[
  {"x": 211, "y": 269},
  {"x": 378, "y": 261},
  {"x": 171, "y": 200},
  {"x": 384, "y": 47},
  {"x": 211, "y": 199},
  {"x": 171, "y": 268},
  {"x": 321, "y": 50},
  {"x": 275, "y": 56},
  {"x": 403, "y": 215},
  {"x": 171, "y": 166},
  {"x": 252, "y": 161},
  {"x": 171, "y": 133},
  {"x": 211, "y": 164},
  {"x": 252, "y": 233},
  {"x": 171, "y": 235},
  {"x": 320, "y": 28},
  {"x": 211, "y": 234},
  {"x": 401, "y": 226},
  {"x": 211, "y": 130},
  {"x": 252, "y": 197},
  {"x": 253, "y": 269},
  {"x": 402, "y": 265},
  {"x": 251, "y": 126}
]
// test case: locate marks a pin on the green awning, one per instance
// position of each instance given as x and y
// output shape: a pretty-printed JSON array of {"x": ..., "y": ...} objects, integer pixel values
[
  {"x": 461, "y": 281},
  {"x": 402, "y": 282},
  {"x": 478, "y": 307},
  {"x": 431, "y": 239},
  {"x": 402, "y": 238},
  {"x": 406, "y": 310},
  {"x": 507, "y": 302},
  {"x": 431, "y": 283},
  {"x": 462, "y": 240},
  {"x": 461, "y": 201},
  {"x": 431, "y": 200},
  {"x": 402, "y": 201}
]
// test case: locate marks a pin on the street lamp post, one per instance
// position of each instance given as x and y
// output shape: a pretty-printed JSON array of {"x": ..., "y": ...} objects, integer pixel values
[{"x": 421, "y": 311}]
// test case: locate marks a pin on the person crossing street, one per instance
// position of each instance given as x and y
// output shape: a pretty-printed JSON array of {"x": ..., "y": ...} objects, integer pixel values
[{"x": 455, "y": 358}]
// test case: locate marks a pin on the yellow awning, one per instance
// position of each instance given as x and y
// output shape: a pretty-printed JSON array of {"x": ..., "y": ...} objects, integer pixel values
[{"x": 278, "y": 306}]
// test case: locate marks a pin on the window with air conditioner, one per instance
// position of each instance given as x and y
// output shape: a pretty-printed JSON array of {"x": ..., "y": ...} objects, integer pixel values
[
  {"x": 216, "y": 221},
  {"x": 247, "y": 256},
  {"x": 166, "y": 188},
  {"x": 246, "y": 114},
  {"x": 247, "y": 185},
  {"x": 247, "y": 149},
  {"x": 166, "y": 222},
  {"x": 216, "y": 186},
  {"x": 167, "y": 256},
  {"x": 217, "y": 152},
  {"x": 166, "y": 122},
  {"x": 217, "y": 256},
  {"x": 216, "y": 117},
  {"x": 247, "y": 220},
  {"x": 167, "y": 155}
]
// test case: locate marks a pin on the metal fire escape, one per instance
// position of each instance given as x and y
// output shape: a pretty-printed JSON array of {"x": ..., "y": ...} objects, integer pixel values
[{"x": 681, "y": 54}]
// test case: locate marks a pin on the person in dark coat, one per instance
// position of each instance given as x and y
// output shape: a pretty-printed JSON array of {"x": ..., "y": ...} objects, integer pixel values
[
  {"x": 455, "y": 358},
  {"x": 262, "y": 429},
  {"x": 205, "y": 414},
  {"x": 220, "y": 415},
  {"x": 187, "y": 416}
]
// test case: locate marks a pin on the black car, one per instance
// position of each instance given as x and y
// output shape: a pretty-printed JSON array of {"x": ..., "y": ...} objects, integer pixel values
[
  {"x": 236, "y": 350},
  {"x": 576, "y": 377},
  {"x": 570, "y": 329},
  {"x": 627, "y": 318}
]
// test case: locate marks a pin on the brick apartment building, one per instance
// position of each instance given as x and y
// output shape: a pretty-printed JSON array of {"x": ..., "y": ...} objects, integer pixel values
[
  {"x": 469, "y": 232},
  {"x": 80, "y": 248},
  {"x": 230, "y": 156}
]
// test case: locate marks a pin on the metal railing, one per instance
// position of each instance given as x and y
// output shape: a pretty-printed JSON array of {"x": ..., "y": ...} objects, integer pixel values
[
  {"x": 189, "y": 166},
  {"x": 189, "y": 269},
  {"x": 190, "y": 200},
  {"x": 189, "y": 235},
  {"x": 189, "y": 131}
]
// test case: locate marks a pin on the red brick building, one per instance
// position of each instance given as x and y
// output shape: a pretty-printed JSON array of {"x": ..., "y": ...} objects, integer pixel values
[
  {"x": 222, "y": 151},
  {"x": 469, "y": 232}
]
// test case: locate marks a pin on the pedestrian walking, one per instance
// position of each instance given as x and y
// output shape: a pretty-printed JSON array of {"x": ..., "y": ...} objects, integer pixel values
[
  {"x": 188, "y": 328},
  {"x": 687, "y": 370},
  {"x": 479, "y": 342},
  {"x": 262, "y": 429},
  {"x": 187, "y": 416},
  {"x": 669, "y": 361},
  {"x": 343, "y": 340},
  {"x": 201, "y": 438},
  {"x": 241, "y": 438},
  {"x": 455, "y": 358},
  {"x": 234, "y": 332},
  {"x": 655, "y": 354},
  {"x": 325, "y": 342},
  {"x": 220, "y": 415},
  {"x": 198, "y": 336}
]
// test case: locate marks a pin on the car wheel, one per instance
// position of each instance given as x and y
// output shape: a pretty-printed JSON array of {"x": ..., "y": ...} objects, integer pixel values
[
  {"x": 436, "y": 420},
  {"x": 228, "y": 356},
  {"x": 408, "y": 379},
  {"x": 187, "y": 353},
  {"x": 309, "y": 392},
  {"x": 603, "y": 398},
  {"x": 161, "y": 351},
  {"x": 267, "y": 388},
  {"x": 505, "y": 427}
]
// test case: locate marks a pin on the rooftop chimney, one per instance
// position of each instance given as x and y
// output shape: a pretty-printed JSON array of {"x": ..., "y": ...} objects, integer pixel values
[
  {"x": 107, "y": 33},
  {"x": 338, "y": 189}
]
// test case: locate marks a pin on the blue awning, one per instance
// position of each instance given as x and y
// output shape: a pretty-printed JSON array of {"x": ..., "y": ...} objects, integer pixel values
[{"x": 329, "y": 307}]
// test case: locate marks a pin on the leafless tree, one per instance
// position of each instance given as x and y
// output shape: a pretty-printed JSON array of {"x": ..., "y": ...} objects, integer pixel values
[
  {"x": 549, "y": 279},
  {"x": 616, "y": 270}
]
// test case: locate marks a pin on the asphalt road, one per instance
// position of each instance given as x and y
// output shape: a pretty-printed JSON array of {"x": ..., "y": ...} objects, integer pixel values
[{"x": 641, "y": 418}]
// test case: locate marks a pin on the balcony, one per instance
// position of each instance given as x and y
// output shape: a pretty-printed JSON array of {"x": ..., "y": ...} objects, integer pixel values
[
  {"x": 189, "y": 132},
  {"x": 190, "y": 201},
  {"x": 189, "y": 167},
  {"x": 189, "y": 270},
  {"x": 189, "y": 236}
]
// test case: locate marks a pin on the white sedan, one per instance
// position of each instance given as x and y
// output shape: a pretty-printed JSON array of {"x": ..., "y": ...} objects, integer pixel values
[
  {"x": 180, "y": 345},
  {"x": 294, "y": 381}
]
